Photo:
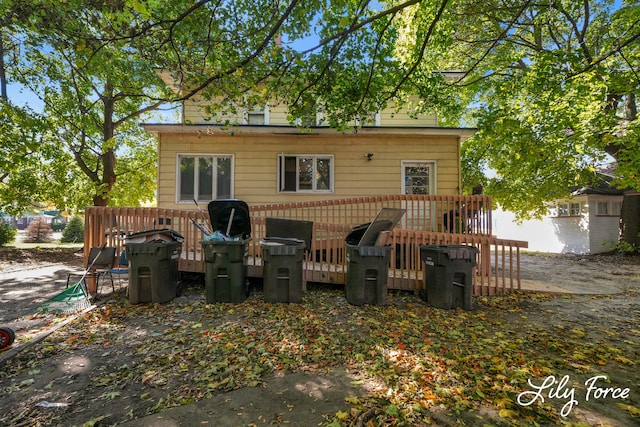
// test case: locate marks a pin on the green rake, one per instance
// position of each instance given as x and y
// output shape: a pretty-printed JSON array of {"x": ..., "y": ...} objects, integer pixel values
[{"x": 75, "y": 297}]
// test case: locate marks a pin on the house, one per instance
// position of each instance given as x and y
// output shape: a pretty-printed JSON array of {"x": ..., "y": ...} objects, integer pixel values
[
  {"x": 6, "y": 218},
  {"x": 52, "y": 218},
  {"x": 257, "y": 156},
  {"x": 587, "y": 223},
  {"x": 335, "y": 179}
]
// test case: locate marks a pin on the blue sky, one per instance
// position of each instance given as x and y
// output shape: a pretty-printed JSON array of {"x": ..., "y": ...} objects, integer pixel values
[{"x": 23, "y": 96}]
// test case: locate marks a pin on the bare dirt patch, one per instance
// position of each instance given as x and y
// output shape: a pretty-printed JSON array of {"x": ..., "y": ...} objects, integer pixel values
[
  {"x": 405, "y": 363},
  {"x": 580, "y": 274},
  {"x": 12, "y": 259}
]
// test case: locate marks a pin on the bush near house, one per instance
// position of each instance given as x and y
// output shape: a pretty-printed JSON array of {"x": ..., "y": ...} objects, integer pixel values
[
  {"x": 627, "y": 248},
  {"x": 38, "y": 232},
  {"x": 7, "y": 233},
  {"x": 73, "y": 232},
  {"x": 58, "y": 226}
]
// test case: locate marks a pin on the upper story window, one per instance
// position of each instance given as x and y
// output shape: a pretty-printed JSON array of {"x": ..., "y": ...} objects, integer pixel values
[
  {"x": 204, "y": 177},
  {"x": 372, "y": 119},
  {"x": 314, "y": 116},
  {"x": 305, "y": 173},
  {"x": 256, "y": 115},
  {"x": 311, "y": 116}
]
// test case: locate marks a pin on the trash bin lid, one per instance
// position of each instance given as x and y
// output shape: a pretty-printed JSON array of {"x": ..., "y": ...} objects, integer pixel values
[
  {"x": 290, "y": 228},
  {"x": 220, "y": 214},
  {"x": 386, "y": 219},
  {"x": 279, "y": 241},
  {"x": 356, "y": 233},
  {"x": 160, "y": 235},
  {"x": 464, "y": 252}
]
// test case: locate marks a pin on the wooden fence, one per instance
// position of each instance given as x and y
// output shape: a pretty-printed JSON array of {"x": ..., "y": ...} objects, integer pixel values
[{"x": 498, "y": 261}]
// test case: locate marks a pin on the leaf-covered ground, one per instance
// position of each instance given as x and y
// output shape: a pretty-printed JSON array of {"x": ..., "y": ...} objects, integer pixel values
[
  {"x": 12, "y": 259},
  {"x": 424, "y": 366}
]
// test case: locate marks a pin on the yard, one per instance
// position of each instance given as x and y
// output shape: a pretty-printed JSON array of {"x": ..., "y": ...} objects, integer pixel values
[{"x": 400, "y": 364}]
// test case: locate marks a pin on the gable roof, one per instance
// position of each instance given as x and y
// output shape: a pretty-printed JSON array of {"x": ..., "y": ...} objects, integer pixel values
[{"x": 601, "y": 185}]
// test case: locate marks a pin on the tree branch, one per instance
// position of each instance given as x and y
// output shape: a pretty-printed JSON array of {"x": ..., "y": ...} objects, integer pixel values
[
  {"x": 245, "y": 61},
  {"x": 422, "y": 50}
]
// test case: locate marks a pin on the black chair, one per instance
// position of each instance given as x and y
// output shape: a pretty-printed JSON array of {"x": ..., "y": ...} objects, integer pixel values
[{"x": 100, "y": 262}]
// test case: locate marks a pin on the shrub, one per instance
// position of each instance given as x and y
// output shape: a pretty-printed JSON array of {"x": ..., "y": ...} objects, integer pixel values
[
  {"x": 38, "y": 232},
  {"x": 622, "y": 247},
  {"x": 73, "y": 232},
  {"x": 627, "y": 248},
  {"x": 57, "y": 226},
  {"x": 7, "y": 233}
]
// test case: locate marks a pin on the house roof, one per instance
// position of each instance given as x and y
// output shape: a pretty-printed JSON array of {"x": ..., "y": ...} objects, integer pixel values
[
  {"x": 210, "y": 129},
  {"x": 601, "y": 185}
]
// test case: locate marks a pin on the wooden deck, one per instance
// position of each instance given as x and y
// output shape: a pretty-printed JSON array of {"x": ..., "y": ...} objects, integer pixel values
[{"x": 498, "y": 263}]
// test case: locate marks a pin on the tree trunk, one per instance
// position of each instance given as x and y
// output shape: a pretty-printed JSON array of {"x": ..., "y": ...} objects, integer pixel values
[
  {"x": 631, "y": 218},
  {"x": 108, "y": 178},
  {"x": 3, "y": 77},
  {"x": 109, "y": 157}
]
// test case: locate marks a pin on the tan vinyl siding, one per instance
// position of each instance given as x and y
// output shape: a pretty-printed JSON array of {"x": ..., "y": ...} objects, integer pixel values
[
  {"x": 194, "y": 111},
  {"x": 402, "y": 119},
  {"x": 278, "y": 114},
  {"x": 255, "y": 160},
  {"x": 389, "y": 117},
  {"x": 194, "y": 114}
]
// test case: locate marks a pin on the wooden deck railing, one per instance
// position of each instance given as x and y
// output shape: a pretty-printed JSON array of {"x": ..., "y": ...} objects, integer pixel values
[
  {"x": 458, "y": 214},
  {"x": 498, "y": 264}
]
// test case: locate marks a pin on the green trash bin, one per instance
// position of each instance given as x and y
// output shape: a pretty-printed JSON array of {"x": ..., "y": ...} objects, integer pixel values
[
  {"x": 226, "y": 260},
  {"x": 367, "y": 274},
  {"x": 153, "y": 271},
  {"x": 282, "y": 260},
  {"x": 368, "y": 259},
  {"x": 225, "y": 270},
  {"x": 448, "y": 275}
]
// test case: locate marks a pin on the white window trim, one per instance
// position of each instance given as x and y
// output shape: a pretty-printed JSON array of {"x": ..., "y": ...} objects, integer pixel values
[
  {"x": 264, "y": 110},
  {"x": 320, "y": 120},
  {"x": 571, "y": 206},
  {"x": 614, "y": 208},
  {"x": 433, "y": 185},
  {"x": 599, "y": 212},
  {"x": 376, "y": 120},
  {"x": 559, "y": 210},
  {"x": 280, "y": 179},
  {"x": 217, "y": 155},
  {"x": 556, "y": 211}
]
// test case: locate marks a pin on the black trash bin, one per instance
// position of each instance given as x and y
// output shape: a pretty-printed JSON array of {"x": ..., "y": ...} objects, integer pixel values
[
  {"x": 226, "y": 260},
  {"x": 448, "y": 275},
  {"x": 282, "y": 260},
  {"x": 367, "y": 274},
  {"x": 283, "y": 253},
  {"x": 368, "y": 261},
  {"x": 153, "y": 265}
]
